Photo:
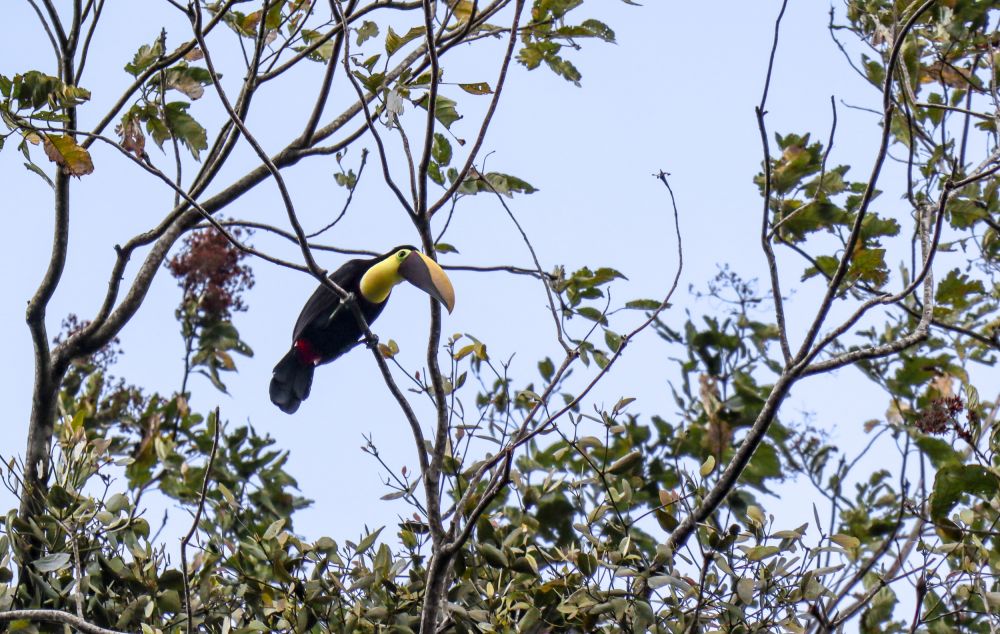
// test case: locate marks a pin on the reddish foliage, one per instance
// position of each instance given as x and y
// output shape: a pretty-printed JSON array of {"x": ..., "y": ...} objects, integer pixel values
[
  {"x": 210, "y": 270},
  {"x": 941, "y": 415}
]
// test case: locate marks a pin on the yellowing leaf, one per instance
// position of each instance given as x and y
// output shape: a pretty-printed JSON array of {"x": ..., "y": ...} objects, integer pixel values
[
  {"x": 707, "y": 467},
  {"x": 755, "y": 515},
  {"x": 273, "y": 530},
  {"x": 64, "y": 152},
  {"x": 846, "y": 541},
  {"x": 462, "y": 10},
  {"x": 761, "y": 552},
  {"x": 388, "y": 350}
]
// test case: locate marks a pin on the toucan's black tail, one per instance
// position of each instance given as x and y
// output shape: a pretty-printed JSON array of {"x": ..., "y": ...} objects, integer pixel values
[{"x": 290, "y": 382}]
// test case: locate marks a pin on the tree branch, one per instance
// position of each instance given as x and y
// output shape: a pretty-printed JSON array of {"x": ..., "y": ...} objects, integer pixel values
[
  {"x": 197, "y": 519},
  {"x": 54, "y": 616}
]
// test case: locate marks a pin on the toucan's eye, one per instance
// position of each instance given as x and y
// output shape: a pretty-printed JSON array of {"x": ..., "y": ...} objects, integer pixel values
[{"x": 402, "y": 254}]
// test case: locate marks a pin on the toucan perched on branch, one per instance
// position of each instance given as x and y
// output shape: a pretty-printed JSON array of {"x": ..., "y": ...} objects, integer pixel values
[{"x": 327, "y": 329}]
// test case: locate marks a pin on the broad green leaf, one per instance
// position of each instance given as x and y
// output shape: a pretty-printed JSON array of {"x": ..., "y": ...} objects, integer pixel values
[
  {"x": 144, "y": 58},
  {"x": 592, "y": 314},
  {"x": 493, "y": 555},
  {"x": 441, "y": 149},
  {"x": 953, "y": 481},
  {"x": 755, "y": 515},
  {"x": 183, "y": 126},
  {"x": 394, "y": 42},
  {"x": 444, "y": 109},
  {"x": 762, "y": 552},
  {"x": 366, "y": 31},
  {"x": 957, "y": 290},
  {"x": 52, "y": 563}
]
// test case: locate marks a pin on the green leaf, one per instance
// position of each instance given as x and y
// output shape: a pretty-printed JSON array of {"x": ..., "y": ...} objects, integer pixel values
[
  {"x": 939, "y": 452},
  {"x": 441, "y": 149},
  {"x": 189, "y": 80},
  {"x": 368, "y": 541},
  {"x": 493, "y": 555},
  {"x": 434, "y": 173},
  {"x": 848, "y": 542},
  {"x": 116, "y": 503},
  {"x": 953, "y": 481},
  {"x": 169, "y": 601},
  {"x": 52, "y": 563},
  {"x": 144, "y": 58},
  {"x": 612, "y": 339},
  {"x": 957, "y": 288},
  {"x": 273, "y": 530},
  {"x": 591, "y": 313},
  {"x": 394, "y": 42},
  {"x": 35, "y": 89},
  {"x": 762, "y": 552},
  {"x": 503, "y": 184},
  {"x": 444, "y": 109},
  {"x": 546, "y": 368},
  {"x": 643, "y": 304},
  {"x": 183, "y": 126},
  {"x": 37, "y": 170},
  {"x": 367, "y": 31},
  {"x": 626, "y": 463},
  {"x": 588, "y": 28},
  {"x": 479, "y": 88},
  {"x": 564, "y": 68}
]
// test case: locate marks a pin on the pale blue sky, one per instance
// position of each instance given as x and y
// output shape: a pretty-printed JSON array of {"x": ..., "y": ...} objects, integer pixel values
[{"x": 676, "y": 92}]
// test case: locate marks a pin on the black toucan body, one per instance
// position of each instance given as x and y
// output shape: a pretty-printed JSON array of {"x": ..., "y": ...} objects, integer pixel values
[{"x": 326, "y": 329}]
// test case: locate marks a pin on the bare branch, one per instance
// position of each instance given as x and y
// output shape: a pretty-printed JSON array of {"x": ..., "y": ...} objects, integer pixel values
[
  {"x": 420, "y": 204},
  {"x": 54, "y": 616},
  {"x": 765, "y": 241}
]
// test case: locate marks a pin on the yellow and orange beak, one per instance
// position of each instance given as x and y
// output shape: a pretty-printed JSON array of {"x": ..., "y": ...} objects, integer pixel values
[{"x": 428, "y": 276}]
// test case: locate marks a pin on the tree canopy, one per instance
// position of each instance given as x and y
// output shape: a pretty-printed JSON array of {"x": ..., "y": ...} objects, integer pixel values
[{"x": 533, "y": 506}]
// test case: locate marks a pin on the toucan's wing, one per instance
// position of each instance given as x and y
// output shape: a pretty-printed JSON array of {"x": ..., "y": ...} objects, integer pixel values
[{"x": 323, "y": 301}]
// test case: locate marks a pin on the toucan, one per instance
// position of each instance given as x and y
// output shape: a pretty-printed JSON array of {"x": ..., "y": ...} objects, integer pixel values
[{"x": 327, "y": 329}]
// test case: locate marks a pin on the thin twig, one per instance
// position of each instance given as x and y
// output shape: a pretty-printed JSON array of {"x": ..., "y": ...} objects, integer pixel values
[
  {"x": 350, "y": 197},
  {"x": 196, "y": 520},
  {"x": 370, "y": 122},
  {"x": 765, "y": 241}
]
